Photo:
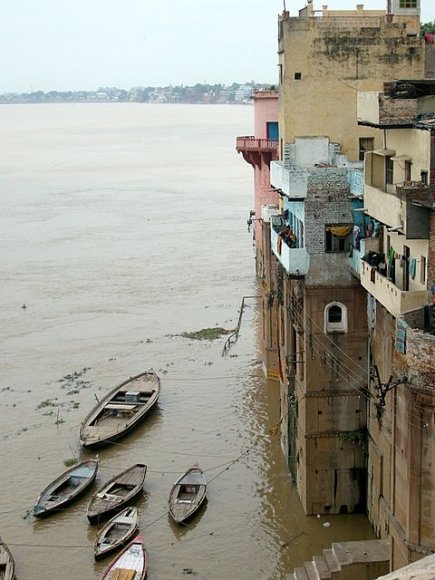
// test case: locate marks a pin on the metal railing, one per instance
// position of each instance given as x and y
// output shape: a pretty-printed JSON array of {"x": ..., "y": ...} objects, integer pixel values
[{"x": 232, "y": 338}]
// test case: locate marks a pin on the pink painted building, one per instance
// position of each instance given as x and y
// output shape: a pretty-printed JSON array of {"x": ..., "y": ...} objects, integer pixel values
[{"x": 259, "y": 150}]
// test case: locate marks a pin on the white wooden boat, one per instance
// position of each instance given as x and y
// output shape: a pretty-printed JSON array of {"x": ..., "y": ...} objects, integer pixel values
[
  {"x": 117, "y": 493},
  {"x": 187, "y": 494},
  {"x": 116, "y": 533},
  {"x": 120, "y": 410},
  {"x": 7, "y": 564},
  {"x": 66, "y": 488},
  {"x": 130, "y": 564}
]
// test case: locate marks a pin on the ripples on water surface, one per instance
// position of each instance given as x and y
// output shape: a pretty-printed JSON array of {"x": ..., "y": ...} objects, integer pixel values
[{"x": 122, "y": 227}]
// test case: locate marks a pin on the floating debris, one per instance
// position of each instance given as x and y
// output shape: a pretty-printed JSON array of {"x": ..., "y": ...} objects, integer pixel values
[{"x": 206, "y": 333}]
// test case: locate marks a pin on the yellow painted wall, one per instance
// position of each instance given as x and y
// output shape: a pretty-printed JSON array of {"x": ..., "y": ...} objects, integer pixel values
[{"x": 338, "y": 56}]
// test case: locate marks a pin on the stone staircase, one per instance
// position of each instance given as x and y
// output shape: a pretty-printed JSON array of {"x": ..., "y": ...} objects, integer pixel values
[{"x": 363, "y": 560}]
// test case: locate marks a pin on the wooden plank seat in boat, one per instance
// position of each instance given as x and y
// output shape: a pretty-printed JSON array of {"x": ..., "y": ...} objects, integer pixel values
[
  {"x": 109, "y": 496},
  {"x": 121, "y": 406},
  {"x": 123, "y": 521},
  {"x": 122, "y": 574}
]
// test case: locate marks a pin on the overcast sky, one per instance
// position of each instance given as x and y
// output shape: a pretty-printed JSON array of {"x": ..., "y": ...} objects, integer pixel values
[{"x": 83, "y": 44}]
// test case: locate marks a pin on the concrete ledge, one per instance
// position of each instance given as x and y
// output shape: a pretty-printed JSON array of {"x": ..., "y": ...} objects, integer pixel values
[{"x": 423, "y": 569}]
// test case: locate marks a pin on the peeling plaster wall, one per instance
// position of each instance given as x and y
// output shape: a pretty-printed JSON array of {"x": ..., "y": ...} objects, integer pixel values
[{"x": 337, "y": 56}]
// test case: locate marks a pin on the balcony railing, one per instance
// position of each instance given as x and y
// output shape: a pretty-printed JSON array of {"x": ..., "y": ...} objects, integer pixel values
[
  {"x": 395, "y": 300},
  {"x": 251, "y": 143},
  {"x": 296, "y": 261}
]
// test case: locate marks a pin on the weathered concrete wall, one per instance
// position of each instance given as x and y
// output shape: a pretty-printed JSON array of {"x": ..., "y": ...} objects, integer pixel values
[
  {"x": 331, "y": 414},
  {"x": 379, "y": 425},
  {"x": 336, "y": 57},
  {"x": 412, "y": 520},
  {"x": 431, "y": 257},
  {"x": 429, "y": 61},
  {"x": 423, "y": 569}
]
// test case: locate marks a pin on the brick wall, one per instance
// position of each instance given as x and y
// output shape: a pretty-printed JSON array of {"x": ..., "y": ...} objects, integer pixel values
[
  {"x": 396, "y": 110},
  {"x": 326, "y": 203},
  {"x": 420, "y": 355}
]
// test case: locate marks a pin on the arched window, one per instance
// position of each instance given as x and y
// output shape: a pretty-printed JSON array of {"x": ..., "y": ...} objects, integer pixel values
[{"x": 335, "y": 317}]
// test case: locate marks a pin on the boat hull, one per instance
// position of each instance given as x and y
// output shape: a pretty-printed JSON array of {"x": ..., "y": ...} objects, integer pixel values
[
  {"x": 115, "y": 416},
  {"x": 124, "y": 525},
  {"x": 8, "y": 563},
  {"x": 41, "y": 511},
  {"x": 188, "y": 494},
  {"x": 133, "y": 559},
  {"x": 116, "y": 494}
]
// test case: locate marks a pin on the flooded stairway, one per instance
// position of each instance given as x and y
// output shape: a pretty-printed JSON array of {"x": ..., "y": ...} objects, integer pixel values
[{"x": 362, "y": 560}]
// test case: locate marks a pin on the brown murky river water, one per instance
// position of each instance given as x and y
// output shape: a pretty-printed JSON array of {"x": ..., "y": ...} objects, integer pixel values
[{"x": 123, "y": 226}]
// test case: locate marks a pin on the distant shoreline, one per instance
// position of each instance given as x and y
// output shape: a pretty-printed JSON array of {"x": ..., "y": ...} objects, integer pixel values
[
  {"x": 199, "y": 94},
  {"x": 118, "y": 102}
]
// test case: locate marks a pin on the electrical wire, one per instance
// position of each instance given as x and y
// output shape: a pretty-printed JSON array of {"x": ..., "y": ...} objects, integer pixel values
[{"x": 342, "y": 375}]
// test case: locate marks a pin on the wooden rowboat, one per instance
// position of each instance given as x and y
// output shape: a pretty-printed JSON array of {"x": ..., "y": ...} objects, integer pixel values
[
  {"x": 66, "y": 488},
  {"x": 120, "y": 410},
  {"x": 130, "y": 564},
  {"x": 117, "y": 493},
  {"x": 116, "y": 533},
  {"x": 187, "y": 494},
  {"x": 7, "y": 564}
]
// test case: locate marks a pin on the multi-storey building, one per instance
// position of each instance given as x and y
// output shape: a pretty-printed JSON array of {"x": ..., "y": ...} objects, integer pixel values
[
  {"x": 352, "y": 341},
  {"x": 259, "y": 150},
  {"x": 325, "y": 58},
  {"x": 323, "y": 337},
  {"x": 397, "y": 271}
]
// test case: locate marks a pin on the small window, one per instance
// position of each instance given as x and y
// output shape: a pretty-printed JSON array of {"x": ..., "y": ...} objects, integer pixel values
[
  {"x": 335, "y": 314},
  {"x": 337, "y": 238},
  {"x": 389, "y": 170},
  {"x": 298, "y": 76},
  {"x": 407, "y": 171},
  {"x": 365, "y": 144},
  {"x": 423, "y": 177},
  {"x": 335, "y": 317},
  {"x": 408, "y": 3}
]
